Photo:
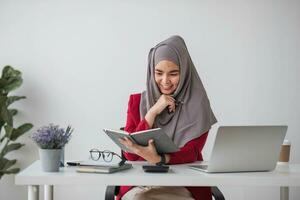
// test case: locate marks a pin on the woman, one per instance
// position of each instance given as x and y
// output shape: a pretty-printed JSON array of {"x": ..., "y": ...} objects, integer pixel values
[{"x": 175, "y": 100}]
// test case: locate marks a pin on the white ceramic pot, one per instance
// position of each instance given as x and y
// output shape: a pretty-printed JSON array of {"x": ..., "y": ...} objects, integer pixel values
[{"x": 50, "y": 159}]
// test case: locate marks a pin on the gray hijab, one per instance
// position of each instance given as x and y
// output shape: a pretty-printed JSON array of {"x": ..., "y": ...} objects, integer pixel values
[{"x": 193, "y": 115}]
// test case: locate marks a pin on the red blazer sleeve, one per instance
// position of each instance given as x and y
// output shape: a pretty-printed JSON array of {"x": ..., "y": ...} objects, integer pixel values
[{"x": 133, "y": 122}]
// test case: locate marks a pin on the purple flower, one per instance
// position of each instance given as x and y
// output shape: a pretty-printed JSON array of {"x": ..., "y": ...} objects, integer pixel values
[{"x": 52, "y": 137}]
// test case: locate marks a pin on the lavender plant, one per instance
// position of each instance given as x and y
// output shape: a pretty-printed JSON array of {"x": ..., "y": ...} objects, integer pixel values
[{"x": 52, "y": 136}]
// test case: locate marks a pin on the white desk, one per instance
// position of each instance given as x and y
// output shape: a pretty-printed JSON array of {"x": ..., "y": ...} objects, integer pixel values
[{"x": 179, "y": 175}]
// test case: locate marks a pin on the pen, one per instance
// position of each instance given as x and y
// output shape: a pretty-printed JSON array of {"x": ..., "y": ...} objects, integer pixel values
[{"x": 76, "y": 163}]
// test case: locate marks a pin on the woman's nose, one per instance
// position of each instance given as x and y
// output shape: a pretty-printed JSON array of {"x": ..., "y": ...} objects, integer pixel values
[{"x": 165, "y": 79}]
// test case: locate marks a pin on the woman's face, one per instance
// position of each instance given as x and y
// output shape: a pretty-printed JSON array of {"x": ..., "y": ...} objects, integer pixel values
[{"x": 167, "y": 76}]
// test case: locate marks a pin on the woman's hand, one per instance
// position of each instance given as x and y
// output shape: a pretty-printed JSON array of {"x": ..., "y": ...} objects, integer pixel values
[
  {"x": 149, "y": 152},
  {"x": 163, "y": 102}
]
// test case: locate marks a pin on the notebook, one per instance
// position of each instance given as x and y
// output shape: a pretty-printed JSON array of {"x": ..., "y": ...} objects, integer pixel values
[
  {"x": 103, "y": 170},
  {"x": 162, "y": 142},
  {"x": 98, "y": 163}
]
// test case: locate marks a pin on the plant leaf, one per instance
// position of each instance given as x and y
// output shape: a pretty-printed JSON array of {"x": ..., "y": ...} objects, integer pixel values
[
  {"x": 13, "y": 112},
  {"x": 12, "y": 147},
  {"x": 2, "y": 139},
  {"x": 3, "y": 99},
  {"x": 2, "y": 84},
  {"x": 1, "y": 124},
  {"x": 13, "y": 84},
  {"x": 12, "y": 99},
  {"x": 3, "y": 161},
  {"x": 10, "y": 79},
  {"x": 20, "y": 131},
  {"x": 6, "y": 116},
  {"x": 7, "y": 163},
  {"x": 10, "y": 72},
  {"x": 8, "y": 131},
  {"x": 12, "y": 171},
  {"x": 10, "y": 163}
]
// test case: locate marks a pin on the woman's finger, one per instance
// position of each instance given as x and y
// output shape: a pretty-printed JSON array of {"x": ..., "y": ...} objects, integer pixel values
[
  {"x": 172, "y": 106},
  {"x": 125, "y": 141},
  {"x": 151, "y": 143},
  {"x": 171, "y": 109},
  {"x": 152, "y": 147},
  {"x": 129, "y": 142},
  {"x": 122, "y": 141},
  {"x": 172, "y": 98}
]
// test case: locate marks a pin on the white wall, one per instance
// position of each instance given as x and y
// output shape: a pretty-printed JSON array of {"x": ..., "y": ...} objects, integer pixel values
[{"x": 81, "y": 60}]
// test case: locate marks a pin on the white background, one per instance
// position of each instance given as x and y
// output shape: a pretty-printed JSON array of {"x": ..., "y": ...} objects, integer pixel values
[{"x": 82, "y": 59}]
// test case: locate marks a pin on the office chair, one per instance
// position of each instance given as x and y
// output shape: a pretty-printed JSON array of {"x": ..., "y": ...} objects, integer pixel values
[{"x": 112, "y": 191}]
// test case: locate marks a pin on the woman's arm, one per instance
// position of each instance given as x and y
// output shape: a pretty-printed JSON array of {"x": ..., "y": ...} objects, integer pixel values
[
  {"x": 190, "y": 152},
  {"x": 143, "y": 125},
  {"x": 133, "y": 124},
  {"x": 164, "y": 101}
]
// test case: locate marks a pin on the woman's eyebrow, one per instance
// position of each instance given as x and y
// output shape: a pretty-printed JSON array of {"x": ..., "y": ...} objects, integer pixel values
[
  {"x": 158, "y": 70},
  {"x": 175, "y": 70}
]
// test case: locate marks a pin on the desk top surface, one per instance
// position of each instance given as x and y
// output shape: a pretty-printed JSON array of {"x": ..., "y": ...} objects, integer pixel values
[{"x": 179, "y": 175}]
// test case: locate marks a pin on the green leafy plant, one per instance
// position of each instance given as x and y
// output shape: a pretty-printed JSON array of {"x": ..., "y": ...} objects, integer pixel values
[{"x": 10, "y": 80}]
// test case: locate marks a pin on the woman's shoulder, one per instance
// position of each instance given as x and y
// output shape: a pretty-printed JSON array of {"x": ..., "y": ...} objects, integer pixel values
[
  {"x": 136, "y": 96},
  {"x": 134, "y": 99}
]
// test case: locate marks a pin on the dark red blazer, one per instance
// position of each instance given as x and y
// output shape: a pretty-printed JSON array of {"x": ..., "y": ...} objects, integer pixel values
[{"x": 190, "y": 152}]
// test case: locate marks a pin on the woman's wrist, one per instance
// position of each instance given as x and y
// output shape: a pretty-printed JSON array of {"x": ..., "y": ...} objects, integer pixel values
[
  {"x": 150, "y": 117},
  {"x": 157, "y": 159},
  {"x": 166, "y": 158}
]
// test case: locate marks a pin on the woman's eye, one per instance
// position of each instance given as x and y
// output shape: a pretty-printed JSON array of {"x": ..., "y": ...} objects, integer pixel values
[
  {"x": 158, "y": 73},
  {"x": 174, "y": 74}
]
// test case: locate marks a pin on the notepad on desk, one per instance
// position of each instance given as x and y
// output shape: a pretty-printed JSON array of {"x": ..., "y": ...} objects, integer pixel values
[
  {"x": 98, "y": 163},
  {"x": 103, "y": 170},
  {"x": 162, "y": 142}
]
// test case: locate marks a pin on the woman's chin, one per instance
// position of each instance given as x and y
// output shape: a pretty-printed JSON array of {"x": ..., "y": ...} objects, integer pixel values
[{"x": 167, "y": 92}]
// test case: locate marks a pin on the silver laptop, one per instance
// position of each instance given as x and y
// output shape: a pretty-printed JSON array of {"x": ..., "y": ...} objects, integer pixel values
[{"x": 244, "y": 148}]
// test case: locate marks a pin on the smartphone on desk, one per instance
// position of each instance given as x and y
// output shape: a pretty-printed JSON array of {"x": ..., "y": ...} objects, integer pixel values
[{"x": 156, "y": 168}]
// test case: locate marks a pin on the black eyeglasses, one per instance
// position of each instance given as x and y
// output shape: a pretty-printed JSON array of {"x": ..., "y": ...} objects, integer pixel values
[{"x": 106, "y": 155}]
